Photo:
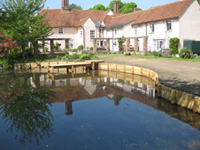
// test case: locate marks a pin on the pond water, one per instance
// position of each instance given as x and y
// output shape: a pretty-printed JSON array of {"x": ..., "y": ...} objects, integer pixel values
[{"x": 92, "y": 110}]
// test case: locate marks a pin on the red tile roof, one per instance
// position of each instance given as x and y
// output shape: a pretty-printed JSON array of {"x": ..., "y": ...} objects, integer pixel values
[{"x": 76, "y": 18}]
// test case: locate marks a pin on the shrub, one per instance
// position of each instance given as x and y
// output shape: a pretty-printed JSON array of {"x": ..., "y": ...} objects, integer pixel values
[
  {"x": 80, "y": 47},
  {"x": 85, "y": 57},
  {"x": 74, "y": 50},
  {"x": 155, "y": 53},
  {"x": 66, "y": 57},
  {"x": 173, "y": 44},
  {"x": 121, "y": 41},
  {"x": 186, "y": 53}
]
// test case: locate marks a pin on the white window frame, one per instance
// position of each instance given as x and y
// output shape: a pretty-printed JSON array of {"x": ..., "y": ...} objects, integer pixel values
[
  {"x": 81, "y": 33},
  {"x": 152, "y": 28},
  {"x": 135, "y": 30},
  {"x": 115, "y": 31},
  {"x": 60, "y": 30},
  {"x": 169, "y": 25},
  {"x": 158, "y": 45},
  {"x": 92, "y": 34}
]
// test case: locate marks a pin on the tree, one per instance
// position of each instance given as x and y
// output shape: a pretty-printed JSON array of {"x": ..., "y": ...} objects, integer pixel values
[
  {"x": 24, "y": 23},
  {"x": 127, "y": 7},
  {"x": 99, "y": 7},
  {"x": 111, "y": 5},
  {"x": 74, "y": 6}
]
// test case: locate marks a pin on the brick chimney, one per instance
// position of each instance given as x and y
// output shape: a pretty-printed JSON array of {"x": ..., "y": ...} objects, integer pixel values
[
  {"x": 136, "y": 9},
  {"x": 116, "y": 7},
  {"x": 65, "y": 5}
]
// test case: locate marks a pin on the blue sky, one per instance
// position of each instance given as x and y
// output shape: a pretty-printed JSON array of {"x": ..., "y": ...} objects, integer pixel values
[{"x": 144, "y": 4}]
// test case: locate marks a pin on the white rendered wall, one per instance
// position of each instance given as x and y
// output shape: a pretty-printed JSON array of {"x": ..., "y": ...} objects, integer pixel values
[
  {"x": 190, "y": 23},
  {"x": 89, "y": 25}
]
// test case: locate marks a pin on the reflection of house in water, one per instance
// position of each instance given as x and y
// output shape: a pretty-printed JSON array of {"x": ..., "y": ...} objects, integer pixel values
[{"x": 68, "y": 89}]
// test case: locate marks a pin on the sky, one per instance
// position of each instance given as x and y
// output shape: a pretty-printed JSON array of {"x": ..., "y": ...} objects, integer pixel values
[{"x": 86, "y": 4}]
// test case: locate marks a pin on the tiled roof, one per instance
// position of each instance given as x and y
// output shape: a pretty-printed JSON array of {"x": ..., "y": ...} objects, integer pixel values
[
  {"x": 168, "y": 11},
  {"x": 76, "y": 18}
]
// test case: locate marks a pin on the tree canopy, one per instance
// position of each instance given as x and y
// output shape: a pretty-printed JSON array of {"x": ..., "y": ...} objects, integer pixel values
[
  {"x": 23, "y": 22},
  {"x": 75, "y": 6},
  {"x": 123, "y": 7}
]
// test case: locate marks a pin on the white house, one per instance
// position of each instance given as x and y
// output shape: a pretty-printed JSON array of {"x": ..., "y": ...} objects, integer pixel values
[{"x": 149, "y": 29}]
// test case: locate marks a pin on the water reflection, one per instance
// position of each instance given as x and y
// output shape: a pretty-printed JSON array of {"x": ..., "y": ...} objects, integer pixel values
[
  {"x": 25, "y": 99},
  {"x": 115, "y": 86},
  {"x": 25, "y": 108}
]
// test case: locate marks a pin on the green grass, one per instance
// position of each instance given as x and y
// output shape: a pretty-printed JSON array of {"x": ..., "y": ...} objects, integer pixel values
[{"x": 110, "y": 56}]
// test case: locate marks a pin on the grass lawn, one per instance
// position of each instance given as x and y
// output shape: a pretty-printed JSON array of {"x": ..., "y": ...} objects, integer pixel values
[{"x": 110, "y": 56}]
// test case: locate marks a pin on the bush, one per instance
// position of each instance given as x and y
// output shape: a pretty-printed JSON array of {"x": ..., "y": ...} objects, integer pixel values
[
  {"x": 74, "y": 50},
  {"x": 186, "y": 53},
  {"x": 173, "y": 44},
  {"x": 80, "y": 47},
  {"x": 155, "y": 53},
  {"x": 85, "y": 57}
]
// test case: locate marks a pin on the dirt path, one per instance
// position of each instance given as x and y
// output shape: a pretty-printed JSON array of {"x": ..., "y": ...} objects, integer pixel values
[{"x": 181, "y": 75}]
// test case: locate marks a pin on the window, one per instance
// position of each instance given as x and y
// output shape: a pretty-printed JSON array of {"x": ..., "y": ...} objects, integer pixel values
[
  {"x": 81, "y": 33},
  {"x": 115, "y": 31},
  {"x": 158, "y": 44},
  {"x": 169, "y": 25},
  {"x": 60, "y": 30},
  {"x": 92, "y": 34},
  {"x": 135, "y": 29},
  {"x": 104, "y": 43},
  {"x": 152, "y": 28}
]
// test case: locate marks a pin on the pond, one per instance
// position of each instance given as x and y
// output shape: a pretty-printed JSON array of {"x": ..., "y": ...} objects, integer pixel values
[{"x": 91, "y": 110}]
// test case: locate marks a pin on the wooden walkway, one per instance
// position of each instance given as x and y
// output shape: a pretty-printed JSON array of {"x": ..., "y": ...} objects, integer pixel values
[{"x": 91, "y": 63}]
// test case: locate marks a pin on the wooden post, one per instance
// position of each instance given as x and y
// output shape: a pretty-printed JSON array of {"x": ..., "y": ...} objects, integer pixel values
[
  {"x": 51, "y": 47},
  {"x": 108, "y": 46},
  {"x": 94, "y": 46},
  {"x": 145, "y": 46},
  {"x": 127, "y": 45},
  {"x": 67, "y": 46},
  {"x": 135, "y": 45}
]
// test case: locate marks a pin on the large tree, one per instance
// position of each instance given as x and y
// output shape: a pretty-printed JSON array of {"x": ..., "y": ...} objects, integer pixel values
[
  {"x": 98, "y": 7},
  {"x": 74, "y": 6},
  {"x": 21, "y": 19},
  {"x": 127, "y": 7}
]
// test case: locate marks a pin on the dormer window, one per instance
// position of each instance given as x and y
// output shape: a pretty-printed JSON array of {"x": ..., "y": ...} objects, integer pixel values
[
  {"x": 60, "y": 30},
  {"x": 169, "y": 25},
  {"x": 152, "y": 28}
]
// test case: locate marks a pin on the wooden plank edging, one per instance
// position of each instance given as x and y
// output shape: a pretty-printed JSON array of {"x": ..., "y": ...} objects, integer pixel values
[{"x": 189, "y": 101}]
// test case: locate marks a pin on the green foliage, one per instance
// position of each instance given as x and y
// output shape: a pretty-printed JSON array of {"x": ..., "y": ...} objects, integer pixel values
[
  {"x": 121, "y": 41},
  {"x": 123, "y": 7},
  {"x": 173, "y": 45},
  {"x": 111, "y": 5},
  {"x": 70, "y": 57},
  {"x": 74, "y": 50},
  {"x": 80, "y": 47},
  {"x": 98, "y": 7},
  {"x": 155, "y": 53},
  {"x": 128, "y": 8},
  {"x": 186, "y": 53},
  {"x": 24, "y": 23},
  {"x": 57, "y": 46},
  {"x": 84, "y": 57},
  {"x": 75, "y": 6}
]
